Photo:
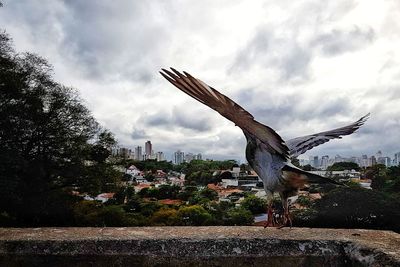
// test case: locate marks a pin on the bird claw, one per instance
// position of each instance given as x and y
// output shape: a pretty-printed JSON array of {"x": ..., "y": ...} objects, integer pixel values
[{"x": 286, "y": 220}]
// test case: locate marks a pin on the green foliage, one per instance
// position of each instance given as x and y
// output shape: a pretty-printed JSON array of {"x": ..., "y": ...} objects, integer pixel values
[
  {"x": 50, "y": 143},
  {"x": 218, "y": 211},
  {"x": 148, "y": 208},
  {"x": 238, "y": 216},
  {"x": 200, "y": 178},
  {"x": 308, "y": 167},
  {"x": 342, "y": 166},
  {"x": 378, "y": 174},
  {"x": 149, "y": 176},
  {"x": 93, "y": 213},
  {"x": 200, "y": 172},
  {"x": 304, "y": 201},
  {"x": 162, "y": 192},
  {"x": 187, "y": 193},
  {"x": 254, "y": 204},
  {"x": 165, "y": 216},
  {"x": 194, "y": 215},
  {"x": 356, "y": 208},
  {"x": 168, "y": 191},
  {"x": 122, "y": 195},
  {"x": 150, "y": 165},
  {"x": 203, "y": 196}
]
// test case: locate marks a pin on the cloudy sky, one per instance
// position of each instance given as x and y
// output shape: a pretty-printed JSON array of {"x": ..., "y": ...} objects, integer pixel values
[{"x": 298, "y": 66}]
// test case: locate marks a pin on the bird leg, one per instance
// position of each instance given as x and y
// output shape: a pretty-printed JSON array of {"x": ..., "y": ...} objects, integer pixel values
[
  {"x": 270, "y": 216},
  {"x": 286, "y": 214}
]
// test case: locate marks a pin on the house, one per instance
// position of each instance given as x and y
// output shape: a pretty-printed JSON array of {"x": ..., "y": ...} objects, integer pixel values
[
  {"x": 103, "y": 197},
  {"x": 132, "y": 170}
]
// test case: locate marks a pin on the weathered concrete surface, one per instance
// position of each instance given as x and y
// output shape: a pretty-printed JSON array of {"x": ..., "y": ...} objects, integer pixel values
[{"x": 197, "y": 246}]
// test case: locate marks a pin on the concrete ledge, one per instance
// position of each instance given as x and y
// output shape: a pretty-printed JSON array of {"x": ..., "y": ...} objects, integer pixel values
[{"x": 197, "y": 246}]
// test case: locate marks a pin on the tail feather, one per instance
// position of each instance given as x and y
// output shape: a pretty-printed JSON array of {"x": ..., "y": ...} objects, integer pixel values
[{"x": 311, "y": 177}]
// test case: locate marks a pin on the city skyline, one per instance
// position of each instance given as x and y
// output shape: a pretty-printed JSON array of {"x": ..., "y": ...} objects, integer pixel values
[
  {"x": 324, "y": 161},
  {"x": 300, "y": 68},
  {"x": 178, "y": 156}
]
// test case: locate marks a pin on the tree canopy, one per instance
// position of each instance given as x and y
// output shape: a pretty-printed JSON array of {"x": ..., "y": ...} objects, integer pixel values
[
  {"x": 47, "y": 137},
  {"x": 342, "y": 166}
]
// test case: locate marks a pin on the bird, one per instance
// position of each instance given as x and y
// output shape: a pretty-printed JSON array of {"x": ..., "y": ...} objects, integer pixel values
[{"x": 266, "y": 152}]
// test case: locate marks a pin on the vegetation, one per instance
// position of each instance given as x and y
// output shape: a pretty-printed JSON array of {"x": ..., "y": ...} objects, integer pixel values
[
  {"x": 356, "y": 207},
  {"x": 49, "y": 143},
  {"x": 352, "y": 207},
  {"x": 342, "y": 166}
]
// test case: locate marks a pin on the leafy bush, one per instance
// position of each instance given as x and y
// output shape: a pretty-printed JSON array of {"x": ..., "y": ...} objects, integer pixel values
[
  {"x": 254, "y": 204},
  {"x": 194, "y": 215},
  {"x": 165, "y": 216}
]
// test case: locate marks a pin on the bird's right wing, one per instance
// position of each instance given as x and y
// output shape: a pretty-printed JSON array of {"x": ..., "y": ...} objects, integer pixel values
[
  {"x": 299, "y": 145},
  {"x": 227, "y": 108}
]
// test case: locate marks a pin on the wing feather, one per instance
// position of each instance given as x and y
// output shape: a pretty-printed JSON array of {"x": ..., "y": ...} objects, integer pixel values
[
  {"x": 227, "y": 108},
  {"x": 299, "y": 145}
]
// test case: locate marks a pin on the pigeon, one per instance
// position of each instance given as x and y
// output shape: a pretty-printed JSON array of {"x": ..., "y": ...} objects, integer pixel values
[{"x": 266, "y": 152}]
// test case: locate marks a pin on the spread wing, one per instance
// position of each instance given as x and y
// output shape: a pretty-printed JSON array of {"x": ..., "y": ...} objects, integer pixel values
[
  {"x": 227, "y": 108},
  {"x": 299, "y": 145}
]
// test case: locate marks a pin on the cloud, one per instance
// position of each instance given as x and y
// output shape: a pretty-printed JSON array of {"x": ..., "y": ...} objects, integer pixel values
[
  {"x": 282, "y": 54},
  {"x": 338, "y": 41},
  {"x": 300, "y": 68},
  {"x": 139, "y": 134},
  {"x": 179, "y": 117}
]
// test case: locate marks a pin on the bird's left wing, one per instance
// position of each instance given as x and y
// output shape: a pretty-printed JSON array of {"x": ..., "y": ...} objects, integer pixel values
[
  {"x": 227, "y": 108},
  {"x": 299, "y": 145}
]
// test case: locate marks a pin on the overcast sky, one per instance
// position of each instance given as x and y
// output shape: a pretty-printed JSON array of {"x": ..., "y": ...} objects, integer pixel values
[{"x": 300, "y": 67}]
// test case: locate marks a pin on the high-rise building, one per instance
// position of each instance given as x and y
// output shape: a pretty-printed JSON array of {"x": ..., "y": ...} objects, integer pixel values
[
  {"x": 138, "y": 153},
  {"x": 338, "y": 158},
  {"x": 311, "y": 161},
  {"x": 396, "y": 160},
  {"x": 324, "y": 162},
  {"x": 315, "y": 162},
  {"x": 364, "y": 161},
  {"x": 387, "y": 161},
  {"x": 124, "y": 152},
  {"x": 160, "y": 156},
  {"x": 147, "y": 150},
  {"x": 199, "y": 156},
  {"x": 189, "y": 157},
  {"x": 179, "y": 157},
  {"x": 372, "y": 161}
]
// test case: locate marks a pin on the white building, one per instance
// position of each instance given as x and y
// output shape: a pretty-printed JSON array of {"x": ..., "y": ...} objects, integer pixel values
[
  {"x": 132, "y": 170},
  {"x": 189, "y": 157},
  {"x": 396, "y": 160},
  {"x": 160, "y": 156},
  {"x": 179, "y": 157},
  {"x": 138, "y": 153}
]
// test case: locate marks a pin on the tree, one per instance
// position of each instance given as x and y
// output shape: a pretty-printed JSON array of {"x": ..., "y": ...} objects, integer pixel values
[
  {"x": 187, "y": 193},
  {"x": 165, "y": 216},
  {"x": 308, "y": 167},
  {"x": 378, "y": 174},
  {"x": 194, "y": 215},
  {"x": 238, "y": 216},
  {"x": 354, "y": 207},
  {"x": 45, "y": 136},
  {"x": 254, "y": 204},
  {"x": 168, "y": 191},
  {"x": 342, "y": 166}
]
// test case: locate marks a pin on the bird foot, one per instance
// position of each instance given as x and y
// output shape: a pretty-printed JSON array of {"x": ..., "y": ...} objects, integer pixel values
[
  {"x": 271, "y": 221},
  {"x": 286, "y": 219}
]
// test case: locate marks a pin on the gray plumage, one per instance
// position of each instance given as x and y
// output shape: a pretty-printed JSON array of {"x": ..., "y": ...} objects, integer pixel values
[
  {"x": 267, "y": 153},
  {"x": 299, "y": 145}
]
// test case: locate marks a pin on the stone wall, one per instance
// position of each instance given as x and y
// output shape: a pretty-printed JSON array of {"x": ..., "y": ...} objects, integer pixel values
[{"x": 197, "y": 246}]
